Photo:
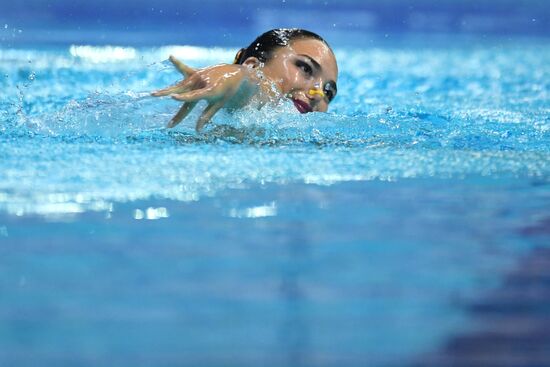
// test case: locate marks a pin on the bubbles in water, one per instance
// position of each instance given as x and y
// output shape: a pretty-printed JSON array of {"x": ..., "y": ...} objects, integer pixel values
[
  {"x": 390, "y": 130},
  {"x": 5, "y": 26}
]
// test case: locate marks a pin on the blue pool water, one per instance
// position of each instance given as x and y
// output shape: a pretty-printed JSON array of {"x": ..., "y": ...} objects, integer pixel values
[{"x": 355, "y": 238}]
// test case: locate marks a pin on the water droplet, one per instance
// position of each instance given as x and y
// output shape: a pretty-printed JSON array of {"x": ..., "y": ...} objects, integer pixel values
[
  {"x": 5, "y": 26},
  {"x": 32, "y": 76}
]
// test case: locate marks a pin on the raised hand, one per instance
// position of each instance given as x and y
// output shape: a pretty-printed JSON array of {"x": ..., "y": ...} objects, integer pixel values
[{"x": 218, "y": 85}]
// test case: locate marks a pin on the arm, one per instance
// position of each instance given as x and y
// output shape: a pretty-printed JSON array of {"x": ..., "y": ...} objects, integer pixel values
[{"x": 218, "y": 85}]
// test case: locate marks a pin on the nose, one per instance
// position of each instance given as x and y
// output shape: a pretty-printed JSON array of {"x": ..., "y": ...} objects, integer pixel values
[
  {"x": 312, "y": 92},
  {"x": 316, "y": 91},
  {"x": 317, "y": 96}
]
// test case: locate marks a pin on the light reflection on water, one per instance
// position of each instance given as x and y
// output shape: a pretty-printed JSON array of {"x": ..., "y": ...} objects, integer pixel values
[
  {"x": 341, "y": 238},
  {"x": 352, "y": 273},
  {"x": 74, "y": 171}
]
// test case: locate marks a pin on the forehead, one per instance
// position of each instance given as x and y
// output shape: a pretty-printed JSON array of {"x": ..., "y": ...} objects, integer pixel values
[{"x": 318, "y": 51}]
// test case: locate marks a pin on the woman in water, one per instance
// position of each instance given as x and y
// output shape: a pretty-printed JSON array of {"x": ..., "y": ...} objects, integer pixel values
[{"x": 281, "y": 63}]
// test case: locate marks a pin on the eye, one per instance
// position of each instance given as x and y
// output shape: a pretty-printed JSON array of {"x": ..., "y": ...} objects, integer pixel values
[{"x": 306, "y": 68}]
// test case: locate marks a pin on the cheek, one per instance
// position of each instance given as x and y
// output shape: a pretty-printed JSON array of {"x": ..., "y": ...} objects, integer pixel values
[
  {"x": 290, "y": 78},
  {"x": 287, "y": 84}
]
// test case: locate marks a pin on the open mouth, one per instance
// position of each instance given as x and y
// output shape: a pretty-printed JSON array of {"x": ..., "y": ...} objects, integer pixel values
[{"x": 302, "y": 106}]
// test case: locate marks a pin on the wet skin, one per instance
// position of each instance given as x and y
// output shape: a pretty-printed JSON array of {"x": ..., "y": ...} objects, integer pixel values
[
  {"x": 305, "y": 65},
  {"x": 305, "y": 71}
]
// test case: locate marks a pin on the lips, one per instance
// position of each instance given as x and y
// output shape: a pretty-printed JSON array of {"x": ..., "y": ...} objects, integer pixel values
[{"x": 302, "y": 106}]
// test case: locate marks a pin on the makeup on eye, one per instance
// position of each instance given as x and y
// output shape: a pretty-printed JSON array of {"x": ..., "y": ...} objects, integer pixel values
[
  {"x": 305, "y": 67},
  {"x": 280, "y": 63},
  {"x": 329, "y": 88}
]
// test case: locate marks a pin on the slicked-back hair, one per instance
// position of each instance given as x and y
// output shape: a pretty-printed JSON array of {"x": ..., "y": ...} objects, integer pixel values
[{"x": 262, "y": 47}]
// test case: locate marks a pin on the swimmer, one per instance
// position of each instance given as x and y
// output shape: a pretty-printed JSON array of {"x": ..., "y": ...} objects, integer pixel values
[{"x": 281, "y": 63}]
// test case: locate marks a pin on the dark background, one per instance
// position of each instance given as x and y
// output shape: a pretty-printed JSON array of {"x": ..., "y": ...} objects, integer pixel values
[{"x": 215, "y": 22}]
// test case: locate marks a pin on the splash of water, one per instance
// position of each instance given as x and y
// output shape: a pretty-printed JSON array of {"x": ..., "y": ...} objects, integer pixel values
[{"x": 83, "y": 132}]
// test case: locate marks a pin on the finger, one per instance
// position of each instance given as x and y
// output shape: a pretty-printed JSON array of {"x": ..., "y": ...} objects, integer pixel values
[
  {"x": 195, "y": 95},
  {"x": 182, "y": 113},
  {"x": 167, "y": 91},
  {"x": 208, "y": 113},
  {"x": 184, "y": 69},
  {"x": 179, "y": 88}
]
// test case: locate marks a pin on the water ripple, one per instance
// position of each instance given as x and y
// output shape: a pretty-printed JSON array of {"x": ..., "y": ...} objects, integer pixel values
[{"x": 80, "y": 131}]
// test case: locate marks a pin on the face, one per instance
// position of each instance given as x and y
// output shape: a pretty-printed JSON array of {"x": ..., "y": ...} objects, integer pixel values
[{"x": 306, "y": 72}]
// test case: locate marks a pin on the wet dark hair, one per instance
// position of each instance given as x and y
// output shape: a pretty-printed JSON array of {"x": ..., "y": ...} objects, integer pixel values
[{"x": 263, "y": 46}]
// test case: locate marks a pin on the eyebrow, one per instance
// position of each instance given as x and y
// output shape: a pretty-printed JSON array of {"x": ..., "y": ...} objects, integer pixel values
[{"x": 313, "y": 61}]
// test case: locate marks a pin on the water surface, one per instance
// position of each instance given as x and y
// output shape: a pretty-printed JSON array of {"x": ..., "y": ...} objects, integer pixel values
[{"x": 273, "y": 238}]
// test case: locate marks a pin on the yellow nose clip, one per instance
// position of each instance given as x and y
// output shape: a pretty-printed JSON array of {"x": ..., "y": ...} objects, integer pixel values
[{"x": 313, "y": 92}]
